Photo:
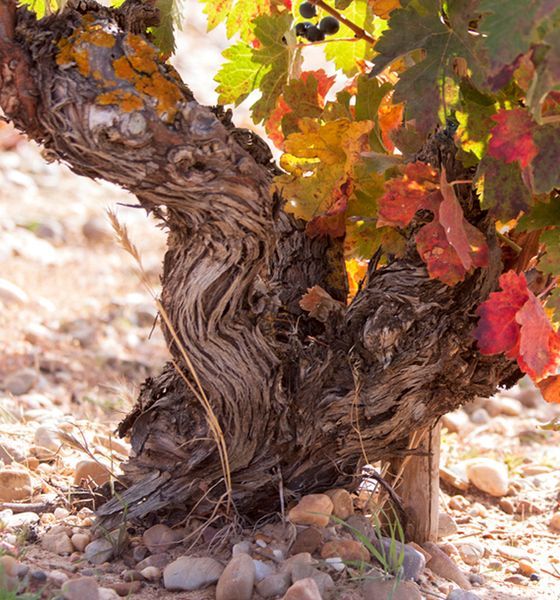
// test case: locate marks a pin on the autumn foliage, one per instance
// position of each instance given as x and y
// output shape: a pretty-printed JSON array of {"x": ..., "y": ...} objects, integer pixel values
[{"x": 483, "y": 73}]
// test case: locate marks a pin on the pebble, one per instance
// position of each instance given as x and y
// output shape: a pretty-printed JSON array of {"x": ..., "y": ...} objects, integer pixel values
[
  {"x": 304, "y": 589},
  {"x": 80, "y": 589},
  {"x": 243, "y": 547},
  {"x": 513, "y": 553},
  {"x": 107, "y": 594},
  {"x": 11, "y": 452},
  {"x": 99, "y": 551},
  {"x": 347, "y": 550},
  {"x": 377, "y": 589},
  {"x": 489, "y": 476},
  {"x": 274, "y": 585},
  {"x": 47, "y": 437},
  {"x": 97, "y": 230},
  {"x": 21, "y": 381},
  {"x": 413, "y": 561},
  {"x": 446, "y": 525},
  {"x": 456, "y": 421},
  {"x": 15, "y": 484},
  {"x": 516, "y": 579},
  {"x": 480, "y": 416},
  {"x": 187, "y": 573},
  {"x": 10, "y": 293},
  {"x": 57, "y": 542},
  {"x": 555, "y": 521},
  {"x": 462, "y": 595},
  {"x": 80, "y": 541},
  {"x": 237, "y": 580},
  {"x": 313, "y": 509},
  {"x": 443, "y": 566},
  {"x": 323, "y": 580},
  {"x": 38, "y": 576},
  {"x": 307, "y": 540},
  {"x": 159, "y": 538},
  {"x": 343, "y": 505},
  {"x": 151, "y": 573},
  {"x": 527, "y": 508},
  {"x": 159, "y": 560},
  {"x": 454, "y": 477},
  {"x": 126, "y": 588},
  {"x": 526, "y": 567},
  {"x": 24, "y": 519},
  {"x": 336, "y": 563},
  {"x": 458, "y": 503},
  {"x": 507, "y": 506},
  {"x": 132, "y": 575},
  {"x": 9, "y": 566},
  {"x": 470, "y": 553},
  {"x": 262, "y": 569},
  {"x": 303, "y": 558},
  {"x": 90, "y": 471}
]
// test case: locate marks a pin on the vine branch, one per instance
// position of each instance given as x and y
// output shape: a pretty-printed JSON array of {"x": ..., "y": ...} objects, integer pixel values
[{"x": 360, "y": 33}]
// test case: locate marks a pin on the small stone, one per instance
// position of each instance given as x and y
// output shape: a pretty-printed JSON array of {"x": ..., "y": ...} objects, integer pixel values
[
  {"x": 237, "y": 580},
  {"x": 347, "y": 550},
  {"x": 99, "y": 551},
  {"x": 187, "y": 573},
  {"x": 480, "y": 416},
  {"x": 90, "y": 471},
  {"x": 526, "y": 508},
  {"x": 274, "y": 585},
  {"x": 243, "y": 547},
  {"x": 343, "y": 506},
  {"x": 127, "y": 588},
  {"x": 151, "y": 573},
  {"x": 47, "y": 437},
  {"x": 413, "y": 561},
  {"x": 477, "y": 579},
  {"x": 385, "y": 589},
  {"x": 10, "y": 293},
  {"x": 21, "y": 381},
  {"x": 478, "y": 510},
  {"x": 139, "y": 553},
  {"x": 336, "y": 563},
  {"x": 57, "y": 578},
  {"x": 456, "y": 421},
  {"x": 507, "y": 506},
  {"x": 159, "y": 538},
  {"x": 443, "y": 566},
  {"x": 57, "y": 542},
  {"x": 303, "y": 558},
  {"x": 307, "y": 540},
  {"x": 38, "y": 576},
  {"x": 532, "y": 470},
  {"x": 132, "y": 575},
  {"x": 470, "y": 553},
  {"x": 446, "y": 525},
  {"x": 313, "y": 509},
  {"x": 516, "y": 579},
  {"x": 555, "y": 521},
  {"x": 107, "y": 594},
  {"x": 489, "y": 476},
  {"x": 81, "y": 331},
  {"x": 454, "y": 477},
  {"x": 513, "y": 553},
  {"x": 323, "y": 580},
  {"x": 24, "y": 519},
  {"x": 97, "y": 230},
  {"x": 9, "y": 566},
  {"x": 526, "y": 567},
  {"x": 80, "y": 589},
  {"x": 160, "y": 560},
  {"x": 458, "y": 503},
  {"x": 10, "y": 452},
  {"x": 50, "y": 229},
  {"x": 304, "y": 589},
  {"x": 80, "y": 541},
  {"x": 462, "y": 595},
  {"x": 60, "y": 513},
  {"x": 262, "y": 569}
]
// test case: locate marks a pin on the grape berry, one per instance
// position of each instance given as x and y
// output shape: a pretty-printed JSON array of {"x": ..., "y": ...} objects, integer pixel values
[{"x": 313, "y": 33}]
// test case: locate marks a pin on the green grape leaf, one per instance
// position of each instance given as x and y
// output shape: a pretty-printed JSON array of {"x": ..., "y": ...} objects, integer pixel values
[
  {"x": 170, "y": 12},
  {"x": 546, "y": 164},
  {"x": 550, "y": 261},
  {"x": 346, "y": 55},
  {"x": 541, "y": 215},
  {"x": 501, "y": 188},
  {"x": 238, "y": 15},
  {"x": 264, "y": 68},
  {"x": 419, "y": 26}
]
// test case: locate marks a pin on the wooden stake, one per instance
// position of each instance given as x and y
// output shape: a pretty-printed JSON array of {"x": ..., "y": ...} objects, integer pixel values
[{"x": 418, "y": 486}]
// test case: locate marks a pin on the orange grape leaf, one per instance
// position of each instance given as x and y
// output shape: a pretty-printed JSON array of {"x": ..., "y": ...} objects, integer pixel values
[
  {"x": 512, "y": 138},
  {"x": 319, "y": 303},
  {"x": 333, "y": 222},
  {"x": 550, "y": 388},
  {"x": 383, "y": 8},
  {"x": 539, "y": 344},
  {"x": 405, "y": 195},
  {"x": 390, "y": 118}
]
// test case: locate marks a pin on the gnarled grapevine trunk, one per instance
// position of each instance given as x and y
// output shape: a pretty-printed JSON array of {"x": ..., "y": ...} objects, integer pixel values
[{"x": 296, "y": 399}]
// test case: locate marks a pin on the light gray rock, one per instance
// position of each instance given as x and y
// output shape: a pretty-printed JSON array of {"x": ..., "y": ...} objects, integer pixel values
[
  {"x": 187, "y": 573},
  {"x": 51, "y": 230},
  {"x": 274, "y": 585},
  {"x": 107, "y": 594},
  {"x": 57, "y": 542},
  {"x": 489, "y": 476},
  {"x": 24, "y": 519},
  {"x": 443, "y": 566},
  {"x": 263, "y": 569},
  {"x": 97, "y": 229},
  {"x": 99, "y": 551},
  {"x": 324, "y": 581},
  {"x": 462, "y": 595},
  {"x": 159, "y": 560},
  {"x": 159, "y": 538},
  {"x": 243, "y": 547},
  {"x": 480, "y": 416},
  {"x": 10, "y": 293},
  {"x": 237, "y": 580},
  {"x": 413, "y": 561},
  {"x": 47, "y": 437},
  {"x": 10, "y": 452},
  {"x": 21, "y": 381},
  {"x": 446, "y": 525},
  {"x": 471, "y": 553}
]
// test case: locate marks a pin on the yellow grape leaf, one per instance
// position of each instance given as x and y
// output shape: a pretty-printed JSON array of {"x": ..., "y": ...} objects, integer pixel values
[
  {"x": 356, "y": 271},
  {"x": 383, "y": 8}
]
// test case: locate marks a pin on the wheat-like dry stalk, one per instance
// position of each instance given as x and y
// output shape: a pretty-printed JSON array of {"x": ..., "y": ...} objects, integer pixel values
[{"x": 126, "y": 243}]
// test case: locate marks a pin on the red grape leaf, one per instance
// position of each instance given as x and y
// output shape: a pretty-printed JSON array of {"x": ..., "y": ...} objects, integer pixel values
[
  {"x": 497, "y": 330},
  {"x": 405, "y": 195},
  {"x": 550, "y": 388},
  {"x": 539, "y": 344},
  {"x": 512, "y": 138},
  {"x": 332, "y": 222},
  {"x": 513, "y": 321}
]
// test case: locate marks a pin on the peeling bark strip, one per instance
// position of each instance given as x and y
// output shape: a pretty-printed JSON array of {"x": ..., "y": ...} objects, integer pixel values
[{"x": 293, "y": 396}]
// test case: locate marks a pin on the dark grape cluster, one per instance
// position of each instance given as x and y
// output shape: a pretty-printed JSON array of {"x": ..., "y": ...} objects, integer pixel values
[{"x": 311, "y": 32}]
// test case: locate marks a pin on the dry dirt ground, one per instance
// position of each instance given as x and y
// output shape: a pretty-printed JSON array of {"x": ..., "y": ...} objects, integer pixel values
[{"x": 77, "y": 337}]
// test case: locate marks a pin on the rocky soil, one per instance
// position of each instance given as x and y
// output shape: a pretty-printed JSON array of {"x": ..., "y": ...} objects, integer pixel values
[{"x": 79, "y": 334}]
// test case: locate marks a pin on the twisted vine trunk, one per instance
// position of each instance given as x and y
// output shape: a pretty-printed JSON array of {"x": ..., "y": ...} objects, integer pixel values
[{"x": 297, "y": 400}]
